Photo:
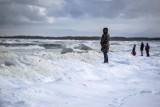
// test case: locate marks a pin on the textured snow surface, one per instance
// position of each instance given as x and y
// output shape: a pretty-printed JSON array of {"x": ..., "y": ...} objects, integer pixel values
[{"x": 46, "y": 78}]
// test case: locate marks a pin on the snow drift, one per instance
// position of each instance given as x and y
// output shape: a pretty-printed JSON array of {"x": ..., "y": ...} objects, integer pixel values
[{"x": 47, "y": 78}]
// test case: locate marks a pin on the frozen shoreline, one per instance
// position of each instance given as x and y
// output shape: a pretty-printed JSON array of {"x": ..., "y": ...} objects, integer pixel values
[{"x": 45, "y": 78}]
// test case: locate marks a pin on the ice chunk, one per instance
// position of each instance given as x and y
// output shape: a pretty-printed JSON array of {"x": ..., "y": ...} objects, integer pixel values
[
  {"x": 66, "y": 50},
  {"x": 10, "y": 62},
  {"x": 83, "y": 47}
]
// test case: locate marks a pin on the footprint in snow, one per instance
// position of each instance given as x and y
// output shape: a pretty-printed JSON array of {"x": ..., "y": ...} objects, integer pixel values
[
  {"x": 59, "y": 79},
  {"x": 123, "y": 62},
  {"x": 145, "y": 92},
  {"x": 149, "y": 92},
  {"x": 116, "y": 103}
]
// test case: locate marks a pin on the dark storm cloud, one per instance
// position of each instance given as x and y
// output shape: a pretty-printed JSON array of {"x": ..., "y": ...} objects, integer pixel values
[
  {"x": 143, "y": 8},
  {"x": 23, "y": 2},
  {"x": 16, "y": 11},
  {"x": 132, "y": 14},
  {"x": 91, "y": 8},
  {"x": 107, "y": 8},
  {"x": 18, "y": 15}
]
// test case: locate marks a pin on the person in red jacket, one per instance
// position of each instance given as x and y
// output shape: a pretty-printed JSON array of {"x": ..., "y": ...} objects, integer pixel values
[
  {"x": 147, "y": 47},
  {"x": 134, "y": 50}
]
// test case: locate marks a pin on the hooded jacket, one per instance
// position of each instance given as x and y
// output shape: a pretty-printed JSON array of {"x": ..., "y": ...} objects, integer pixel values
[{"x": 105, "y": 42}]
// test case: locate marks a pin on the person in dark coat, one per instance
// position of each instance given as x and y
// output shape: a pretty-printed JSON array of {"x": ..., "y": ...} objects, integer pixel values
[
  {"x": 105, "y": 44},
  {"x": 141, "y": 48},
  {"x": 147, "y": 47},
  {"x": 134, "y": 50}
]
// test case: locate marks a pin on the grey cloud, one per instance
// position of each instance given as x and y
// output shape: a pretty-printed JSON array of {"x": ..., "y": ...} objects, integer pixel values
[
  {"x": 15, "y": 12},
  {"x": 12, "y": 13},
  {"x": 23, "y": 2},
  {"x": 143, "y": 8},
  {"x": 107, "y": 9},
  {"x": 12, "y": 10},
  {"x": 92, "y": 8}
]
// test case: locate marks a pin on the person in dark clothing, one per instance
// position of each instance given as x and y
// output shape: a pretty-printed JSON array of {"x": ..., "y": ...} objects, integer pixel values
[
  {"x": 105, "y": 44},
  {"x": 147, "y": 47},
  {"x": 141, "y": 48},
  {"x": 134, "y": 50}
]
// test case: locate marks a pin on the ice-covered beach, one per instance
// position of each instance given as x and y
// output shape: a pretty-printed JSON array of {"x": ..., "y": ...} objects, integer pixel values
[{"x": 34, "y": 73}]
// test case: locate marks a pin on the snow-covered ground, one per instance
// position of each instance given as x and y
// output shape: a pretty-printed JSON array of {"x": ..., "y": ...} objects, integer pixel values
[{"x": 36, "y": 76}]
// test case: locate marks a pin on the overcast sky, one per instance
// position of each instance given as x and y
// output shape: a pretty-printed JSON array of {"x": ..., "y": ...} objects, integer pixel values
[{"x": 80, "y": 17}]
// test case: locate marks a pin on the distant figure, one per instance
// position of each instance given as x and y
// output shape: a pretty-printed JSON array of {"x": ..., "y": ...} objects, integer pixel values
[
  {"x": 105, "y": 44},
  {"x": 147, "y": 47},
  {"x": 141, "y": 48},
  {"x": 134, "y": 51}
]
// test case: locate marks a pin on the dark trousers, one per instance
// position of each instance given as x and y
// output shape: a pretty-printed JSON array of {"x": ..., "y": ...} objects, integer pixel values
[
  {"x": 141, "y": 53},
  {"x": 105, "y": 57},
  {"x": 147, "y": 52}
]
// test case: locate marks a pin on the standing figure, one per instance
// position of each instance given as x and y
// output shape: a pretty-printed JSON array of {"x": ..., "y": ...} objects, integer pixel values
[
  {"x": 134, "y": 50},
  {"x": 105, "y": 44},
  {"x": 141, "y": 48},
  {"x": 147, "y": 47}
]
